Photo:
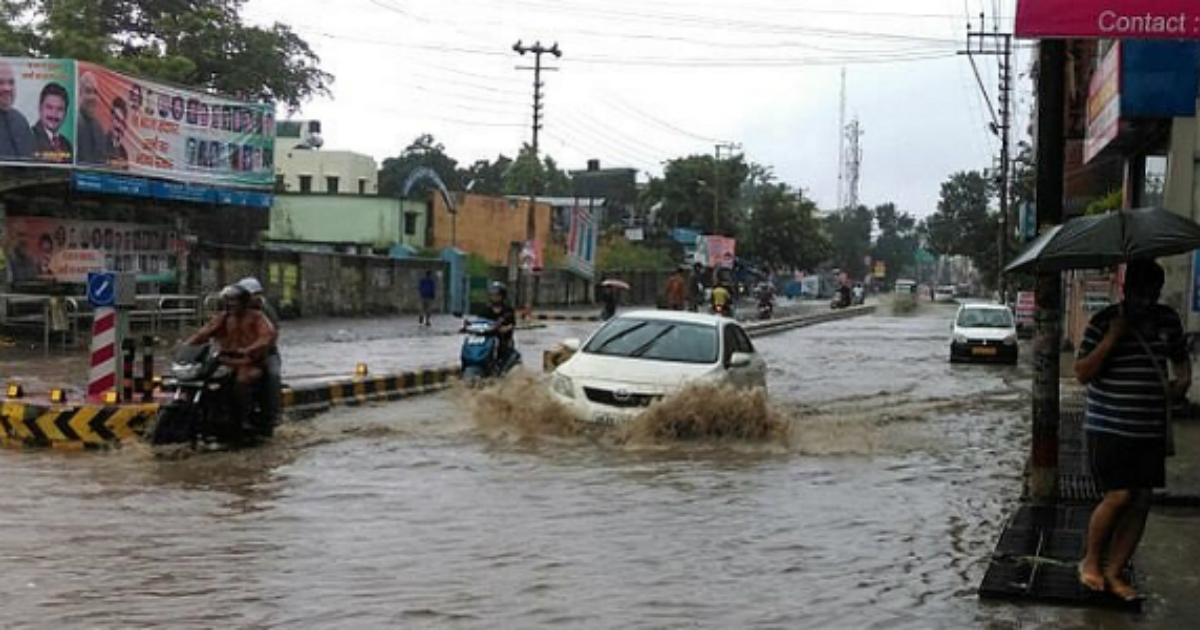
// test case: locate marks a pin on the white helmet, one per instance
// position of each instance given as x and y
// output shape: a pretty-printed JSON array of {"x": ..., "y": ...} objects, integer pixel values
[{"x": 251, "y": 285}]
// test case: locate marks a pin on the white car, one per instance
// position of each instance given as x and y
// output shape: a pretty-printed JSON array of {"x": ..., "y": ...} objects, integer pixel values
[
  {"x": 642, "y": 356},
  {"x": 984, "y": 332},
  {"x": 944, "y": 293}
]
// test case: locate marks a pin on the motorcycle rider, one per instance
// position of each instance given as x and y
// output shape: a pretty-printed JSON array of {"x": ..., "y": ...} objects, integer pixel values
[
  {"x": 858, "y": 293},
  {"x": 505, "y": 317},
  {"x": 843, "y": 295},
  {"x": 766, "y": 301},
  {"x": 721, "y": 299},
  {"x": 273, "y": 364},
  {"x": 245, "y": 336}
]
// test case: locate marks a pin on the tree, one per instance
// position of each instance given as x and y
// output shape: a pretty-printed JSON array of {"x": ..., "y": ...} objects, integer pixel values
[
  {"x": 17, "y": 35},
  {"x": 850, "y": 237},
  {"x": 897, "y": 242},
  {"x": 200, "y": 43},
  {"x": 424, "y": 151},
  {"x": 689, "y": 186},
  {"x": 528, "y": 175},
  {"x": 484, "y": 177},
  {"x": 963, "y": 224},
  {"x": 783, "y": 231}
]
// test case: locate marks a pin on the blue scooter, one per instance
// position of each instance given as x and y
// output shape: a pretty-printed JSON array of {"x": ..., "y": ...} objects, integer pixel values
[{"x": 480, "y": 350}]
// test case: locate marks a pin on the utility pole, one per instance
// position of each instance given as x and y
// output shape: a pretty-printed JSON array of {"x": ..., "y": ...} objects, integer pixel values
[
  {"x": 841, "y": 177},
  {"x": 716, "y": 191},
  {"x": 530, "y": 223},
  {"x": 999, "y": 45}
]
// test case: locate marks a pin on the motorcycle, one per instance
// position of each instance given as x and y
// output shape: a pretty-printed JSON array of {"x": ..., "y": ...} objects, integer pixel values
[
  {"x": 766, "y": 309},
  {"x": 480, "y": 352},
  {"x": 203, "y": 405},
  {"x": 841, "y": 301},
  {"x": 723, "y": 310}
]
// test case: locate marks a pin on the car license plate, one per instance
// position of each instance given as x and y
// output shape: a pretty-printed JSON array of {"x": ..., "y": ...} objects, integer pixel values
[
  {"x": 983, "y": 352},
  {"x": 604, "y": 417}
]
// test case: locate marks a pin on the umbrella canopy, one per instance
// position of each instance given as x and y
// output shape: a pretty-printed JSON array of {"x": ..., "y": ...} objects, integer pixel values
[
  {"x": 1105, "y": 240},
  {"x": 616, "y": 284}
]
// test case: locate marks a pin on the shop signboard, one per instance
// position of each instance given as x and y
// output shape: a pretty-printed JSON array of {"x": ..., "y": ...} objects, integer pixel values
[
  {"x": 1108, "y": 19},
  {"x": 1104, "y": 104},
  {"x": 581, "y": 243}
]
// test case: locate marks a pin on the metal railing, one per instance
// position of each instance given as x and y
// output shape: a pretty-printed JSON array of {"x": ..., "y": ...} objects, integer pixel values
[{"x": 156, "y": 312}]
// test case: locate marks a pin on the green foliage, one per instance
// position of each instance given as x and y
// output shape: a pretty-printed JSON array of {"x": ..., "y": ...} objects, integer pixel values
[
  {"x": 478, "y": 266},
  {"x": 689, "y": 188},
  {"x": 897, "y": 243},
  {"x": 527, "y": 175},
  {"x": 484, "y": 177},
  {"x": 783, "y": 231},
  {"x": 199, "y": 43},
  {"x": 850, "y": 236},
  {"x": 619, "y": 253},
  {"x": 424, "y": 151},
  {"x": 963, "y": 224},
  {"x": 1112, "y": 201}
]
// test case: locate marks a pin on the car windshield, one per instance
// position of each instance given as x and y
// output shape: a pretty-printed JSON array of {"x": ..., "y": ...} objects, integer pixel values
[
  {"x": 656, "y": 340},
  {"x": 985, "y": 318}
]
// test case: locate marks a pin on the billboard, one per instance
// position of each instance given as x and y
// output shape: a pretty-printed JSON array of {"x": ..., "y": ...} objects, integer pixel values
[
  {"x": 1116, "y": 19},
  {"x": 1104, "y": 104},
  {"x": 150, "y": 129},
  {"x": 581, "y": 243},
  {"x": 716, "y": 251},
  {"x": 68, "y": 113},
  {"x": 42, "y": 249},
  {"x": 37, "y": 118}
]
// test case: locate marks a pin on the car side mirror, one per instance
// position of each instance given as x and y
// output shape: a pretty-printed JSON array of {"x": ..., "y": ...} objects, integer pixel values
[
  {"x": 573, "y": 344},
  {"x": 740, "y": 359}
]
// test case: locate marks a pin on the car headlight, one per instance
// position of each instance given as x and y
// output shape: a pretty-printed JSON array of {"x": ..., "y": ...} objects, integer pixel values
[
  {"x": 562, "y": 385},
  {"x": 1010, "y": 340},
  {"x": 959, "y": 339}
]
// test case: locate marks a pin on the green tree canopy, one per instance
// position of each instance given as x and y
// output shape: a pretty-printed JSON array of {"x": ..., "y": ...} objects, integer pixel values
[
  {"x": 528, "y": 175},
  {"x": 423, "y": 151},
  {"x": 964, "y": 225},
  {"x": 689, "y": 187},
  {"x": 850, "y": 236},
  {"x": 199, "y": 43},
  {"x": 782, "y": 230},
  {"x": 485, "y": 177},
  {"x": 897, "y": 242}
]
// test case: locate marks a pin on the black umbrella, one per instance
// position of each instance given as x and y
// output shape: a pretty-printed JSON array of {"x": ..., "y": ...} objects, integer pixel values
[{"x": 1105, "y": 240}]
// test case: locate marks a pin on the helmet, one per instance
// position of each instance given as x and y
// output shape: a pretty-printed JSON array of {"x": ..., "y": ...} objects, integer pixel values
[
  {"x": 251, "y": 285},
  {"x": 497, "y": 288},
  {"x": 235, "y": 292}
]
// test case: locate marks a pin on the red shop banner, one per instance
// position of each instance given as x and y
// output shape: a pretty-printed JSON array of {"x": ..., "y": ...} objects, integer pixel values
[{"x": 1108, "y": 19}]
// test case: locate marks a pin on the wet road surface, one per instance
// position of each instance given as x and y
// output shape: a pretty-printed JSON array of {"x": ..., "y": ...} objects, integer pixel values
[{"x": 876, "y": 508}]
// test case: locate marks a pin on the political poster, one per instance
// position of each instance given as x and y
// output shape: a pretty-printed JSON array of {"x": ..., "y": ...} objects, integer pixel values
[
  {"x": 37, "y": 120},
  {"x": 581, "y": 243},
  {"x": 43, "y": 250},
  {"x": 149, "y": 129}
]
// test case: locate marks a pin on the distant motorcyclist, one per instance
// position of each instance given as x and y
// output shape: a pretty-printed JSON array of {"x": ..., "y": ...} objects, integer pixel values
[
  {"x": 273, "y": 362},
  {"x": 697, "y": 286},
  {"x": 499, "y": 311},
  {"x": 843, "y": 295},
  {"x": 858, "y": 293},
  {"x": 721, "y": 299},
  {"x": 245, "y": 336}
]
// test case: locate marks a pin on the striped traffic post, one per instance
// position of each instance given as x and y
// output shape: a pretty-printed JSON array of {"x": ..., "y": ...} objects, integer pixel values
[{"x": 102, "y": 374}]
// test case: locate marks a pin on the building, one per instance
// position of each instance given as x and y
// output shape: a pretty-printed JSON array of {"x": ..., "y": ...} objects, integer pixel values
[
  {"x": 301, "y": 166},
  {"x": 348, "y": 224},
  {"x": 490, "y": 227}
]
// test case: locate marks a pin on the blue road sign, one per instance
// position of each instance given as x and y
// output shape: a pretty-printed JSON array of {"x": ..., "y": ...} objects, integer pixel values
[{"x": 101, "y": 288}]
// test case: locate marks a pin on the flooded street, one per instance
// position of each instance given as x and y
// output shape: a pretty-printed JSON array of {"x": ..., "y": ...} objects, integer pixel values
[{"x": 876, "y": 506}]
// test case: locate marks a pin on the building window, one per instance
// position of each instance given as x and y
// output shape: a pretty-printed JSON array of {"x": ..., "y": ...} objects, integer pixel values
[
  {"x": 410, "y": 223},
  {"x": 362, "y": 185},
  {"x": 306, "y": 183},
  {"x": 280, "y": 185},
  {"x": 331, "y": 185}
]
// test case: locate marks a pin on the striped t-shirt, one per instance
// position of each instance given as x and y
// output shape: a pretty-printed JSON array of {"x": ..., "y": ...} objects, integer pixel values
[{"x": 1126, "y": 396}]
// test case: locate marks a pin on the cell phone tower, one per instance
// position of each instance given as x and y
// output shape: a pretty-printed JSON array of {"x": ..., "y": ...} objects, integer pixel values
[{"x": 851, "y": 163}]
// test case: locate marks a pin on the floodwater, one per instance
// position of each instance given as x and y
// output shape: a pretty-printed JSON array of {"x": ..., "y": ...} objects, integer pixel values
[{"x": 871, "y": 498}]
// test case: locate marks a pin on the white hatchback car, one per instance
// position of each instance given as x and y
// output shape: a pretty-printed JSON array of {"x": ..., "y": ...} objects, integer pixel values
[
  {"x": 984, "y": 332},
  {"x": 642, "y": 356}
]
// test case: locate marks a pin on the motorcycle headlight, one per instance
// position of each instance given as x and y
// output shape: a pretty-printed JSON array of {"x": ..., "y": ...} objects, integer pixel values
[
  {"x": 186, "y": 371},
  {"x": 562, "y": 385}
]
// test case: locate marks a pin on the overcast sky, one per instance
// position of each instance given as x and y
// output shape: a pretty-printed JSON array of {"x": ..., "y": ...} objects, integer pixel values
[{"x": 640, "y": 83}]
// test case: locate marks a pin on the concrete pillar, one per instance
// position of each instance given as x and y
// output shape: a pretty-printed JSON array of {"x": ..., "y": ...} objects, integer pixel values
[{"x": 1179, "y": 195}]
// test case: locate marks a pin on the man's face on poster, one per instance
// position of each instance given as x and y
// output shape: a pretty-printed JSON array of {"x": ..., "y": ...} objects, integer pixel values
[
  {"x": 52, "y": 110},
  {"x": 8, "y": 86},
  {"x": 88, "y": 95}
]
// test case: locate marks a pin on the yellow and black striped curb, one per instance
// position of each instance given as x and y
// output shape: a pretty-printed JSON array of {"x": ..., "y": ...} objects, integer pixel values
[
  {"x": 24, "y": 425},
  {"x": 310, "y": 399},
  {"x": 34, "y": 425}
]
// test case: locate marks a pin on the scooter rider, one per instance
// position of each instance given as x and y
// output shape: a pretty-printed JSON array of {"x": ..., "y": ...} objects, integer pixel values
[
  {"x": 245, "y": 336},
  {"x": 499, "y": 311},
  {"x": 273, "y": 363}
]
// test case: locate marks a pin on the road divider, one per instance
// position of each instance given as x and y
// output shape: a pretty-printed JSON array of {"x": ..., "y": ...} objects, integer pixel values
[
  {"x": 772, "y": 326},
  {"x": 28, "y": 424}
]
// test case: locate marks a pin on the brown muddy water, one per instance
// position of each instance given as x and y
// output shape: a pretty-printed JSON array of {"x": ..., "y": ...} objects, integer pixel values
[{"x": 868, "y": 495}]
